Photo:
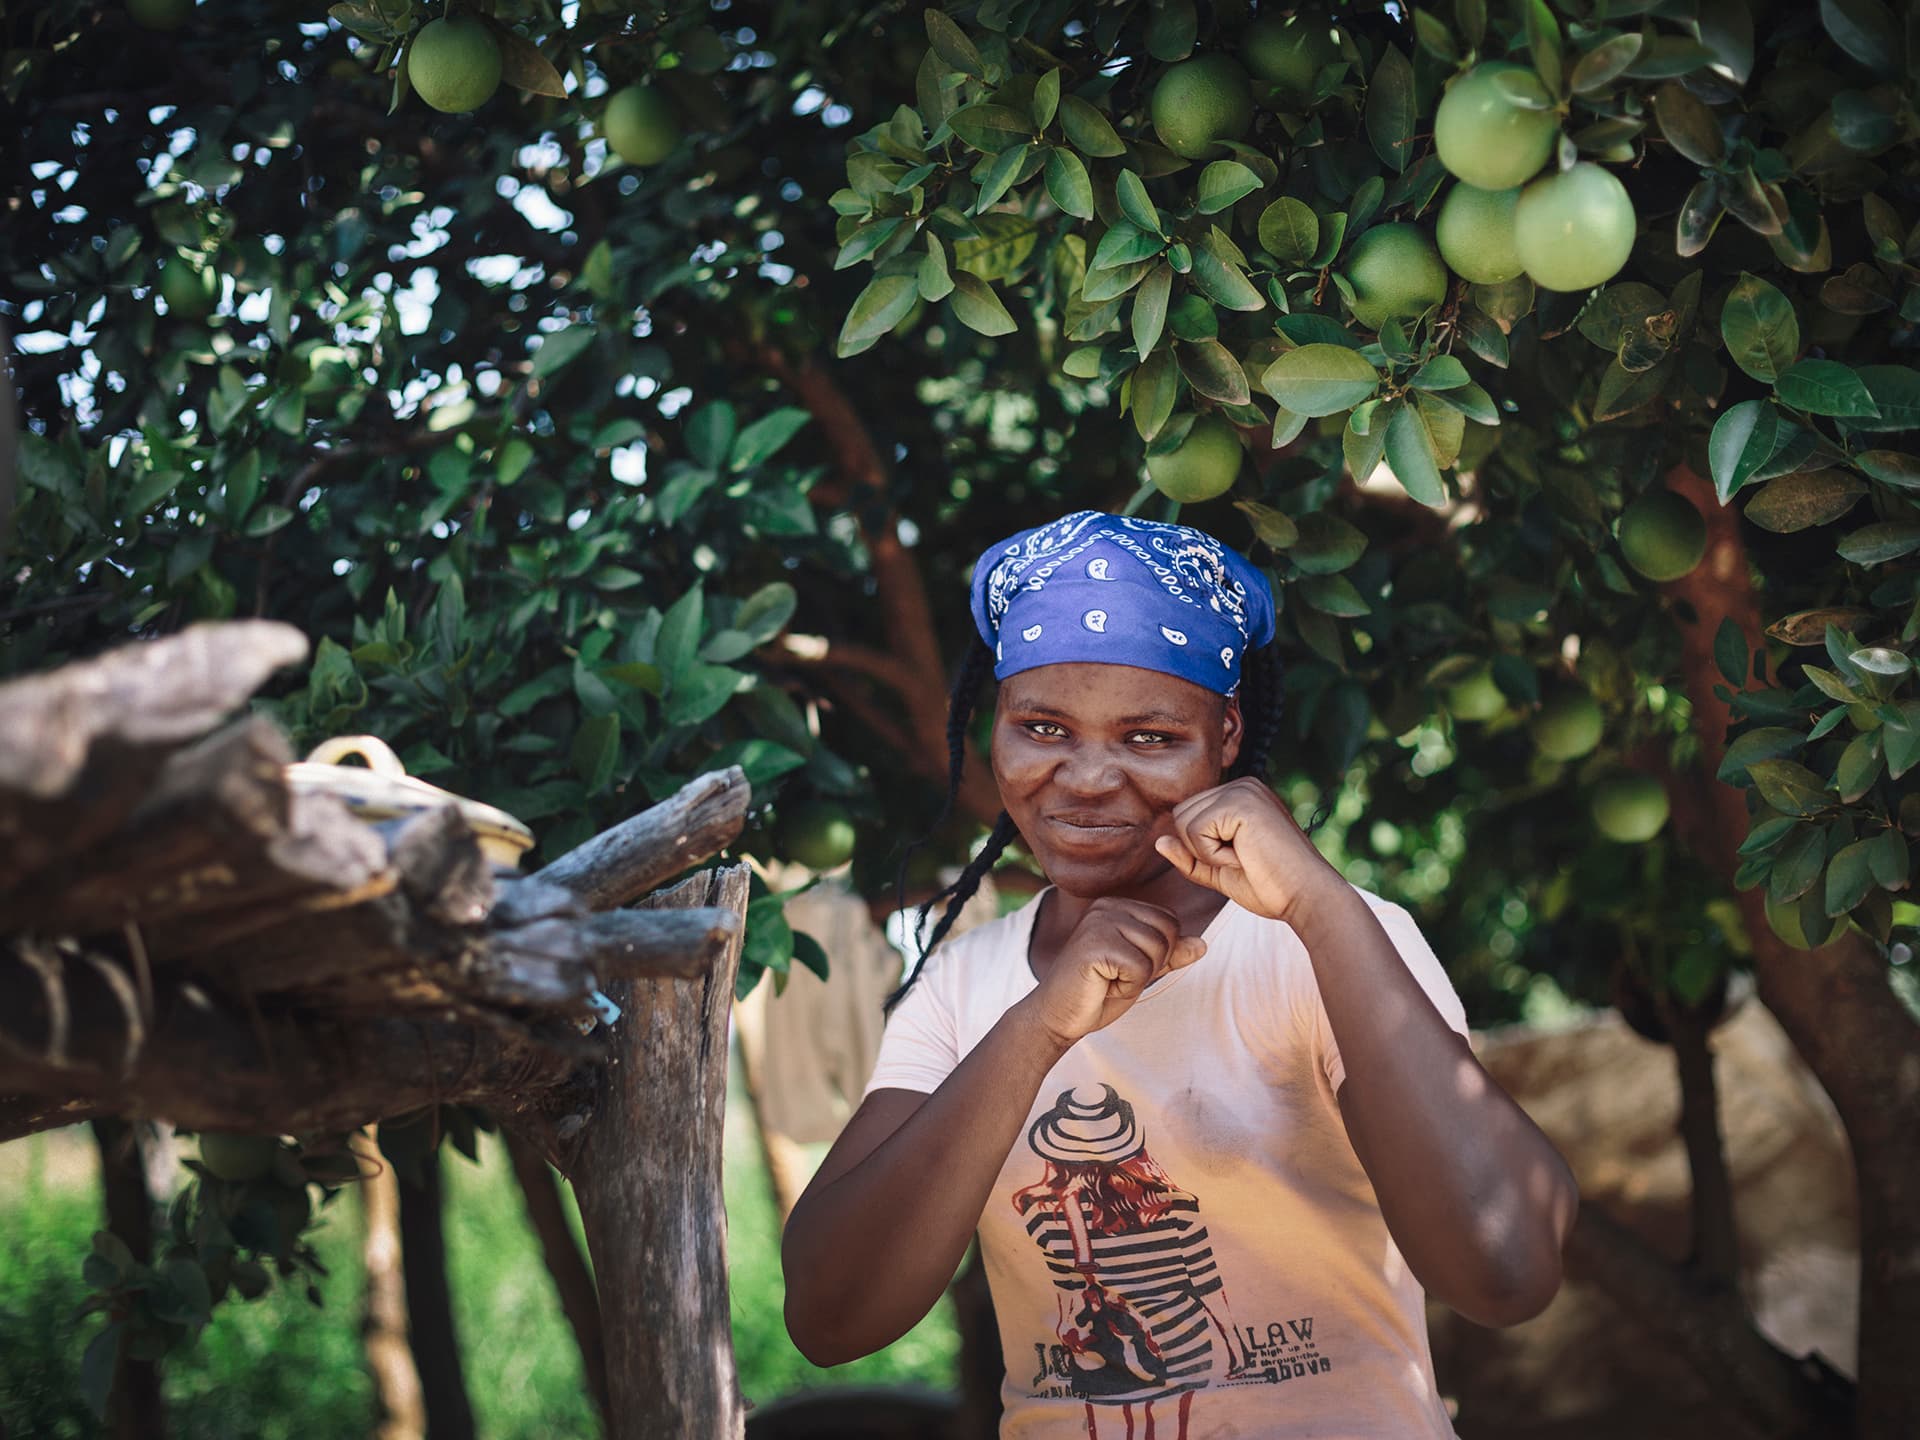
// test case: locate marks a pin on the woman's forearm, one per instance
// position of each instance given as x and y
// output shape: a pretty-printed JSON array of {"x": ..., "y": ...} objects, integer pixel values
[
  {"x": 867, "y": 1253},
  {"x": 1476, "y": 1197}
]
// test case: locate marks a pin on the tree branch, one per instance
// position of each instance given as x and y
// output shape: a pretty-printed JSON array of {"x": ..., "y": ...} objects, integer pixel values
[
  {"x": 911, "y": 637},
  {"x": 572, "y": 1280},
  {"x": 1774, "y": 1396}
]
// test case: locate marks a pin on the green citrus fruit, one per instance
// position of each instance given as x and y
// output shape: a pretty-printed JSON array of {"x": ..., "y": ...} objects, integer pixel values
[
  {"x": 1477, "y": 697},
  {"x": 454, "y": 64},
  {"x": 1396, "y": 275},
  {"x": 1204, "y": 465},
  {"x": 1631, "y": 809},
  {"x": 1284, "y": 52},
  {"x": 1789, "y": 920},
  {"x": 1200, "y": 102},
  {"x": 191, "y": 291},
  {"x": 160, "y": 14},
  {"x": 1662, "y": 535},
  {"x": 1574, "y": 230},
  {"x": 819, "y": 834},
  {"x": 1567, "y": 725},
  {"x": 640, "y": 125},
  {"x": 1487, "y": 140},
  {"x": 238, "y": 1157},
  {"x": 1475, "y": 234}
]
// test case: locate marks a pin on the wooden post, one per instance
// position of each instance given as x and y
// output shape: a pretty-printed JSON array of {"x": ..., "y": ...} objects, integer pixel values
[
  {"x": 400, "y": 1412},
  {"x": 648, "y": 1179}
]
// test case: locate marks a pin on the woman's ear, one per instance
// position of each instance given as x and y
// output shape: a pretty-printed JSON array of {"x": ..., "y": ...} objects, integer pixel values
[{"x": 1233, "y": 730}]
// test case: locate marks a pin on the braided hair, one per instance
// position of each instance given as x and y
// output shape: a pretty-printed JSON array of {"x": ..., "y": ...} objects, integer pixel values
[{"x": 1262, "y": 699}]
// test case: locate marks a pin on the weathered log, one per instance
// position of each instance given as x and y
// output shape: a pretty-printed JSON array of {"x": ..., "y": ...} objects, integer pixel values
[
  {"x": 647, "y": 1173},
  {"x": 619, "y": 865},
  {"x": 83, "y": 741}
]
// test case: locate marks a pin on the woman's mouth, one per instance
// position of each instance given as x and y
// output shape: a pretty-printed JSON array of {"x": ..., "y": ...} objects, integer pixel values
[{"x": 1088, "y": 829}]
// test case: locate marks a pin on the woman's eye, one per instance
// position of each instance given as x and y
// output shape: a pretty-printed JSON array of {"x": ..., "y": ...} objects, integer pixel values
[
  {"x": 1042, "y": 727},
  {"x": 1149, "y": 737}
]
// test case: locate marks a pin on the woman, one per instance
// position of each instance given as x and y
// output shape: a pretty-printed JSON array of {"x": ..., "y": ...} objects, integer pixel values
[{"x": 1210, "y": 1108}]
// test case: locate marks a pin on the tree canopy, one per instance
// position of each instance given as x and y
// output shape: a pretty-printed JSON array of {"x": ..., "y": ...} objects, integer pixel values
[{"x": 644, "y": 418}]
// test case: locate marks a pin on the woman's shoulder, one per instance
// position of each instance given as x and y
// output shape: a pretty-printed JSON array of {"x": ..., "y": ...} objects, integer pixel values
[{"x": 983, "y": 946}]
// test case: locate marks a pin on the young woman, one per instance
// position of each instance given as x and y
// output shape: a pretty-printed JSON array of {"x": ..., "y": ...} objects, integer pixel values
[{"x": 1210, "y": 1108}]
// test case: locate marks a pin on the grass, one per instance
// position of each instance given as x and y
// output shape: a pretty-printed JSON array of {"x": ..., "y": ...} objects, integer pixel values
[{"x": 279, "y": 1369}]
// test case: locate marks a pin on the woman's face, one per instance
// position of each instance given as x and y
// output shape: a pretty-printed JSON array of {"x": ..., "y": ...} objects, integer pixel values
[{"x": 1091, "y": 759}]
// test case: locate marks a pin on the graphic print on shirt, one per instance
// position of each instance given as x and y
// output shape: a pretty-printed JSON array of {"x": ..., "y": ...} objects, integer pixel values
[{"x": 1142, "y": 1309}]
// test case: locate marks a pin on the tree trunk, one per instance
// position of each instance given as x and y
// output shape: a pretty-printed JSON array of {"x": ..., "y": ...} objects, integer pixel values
[
  {"x": 648, "y": 1177},
  {"x": 572, "y": 1280},
  {"x": 399, "y": 1409},
  {"x": 436, "y": 1347},
  {"x": 135, "y": 1408},
  {"x": 1835, "y": 1004}
]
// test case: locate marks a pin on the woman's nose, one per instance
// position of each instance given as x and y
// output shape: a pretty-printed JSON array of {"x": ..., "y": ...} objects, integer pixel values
[{"x": 1089, "y": 771}]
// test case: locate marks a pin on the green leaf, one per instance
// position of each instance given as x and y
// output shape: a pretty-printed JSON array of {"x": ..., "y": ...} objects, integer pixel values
[
  {"x": 978, "y": 308},
  {"x": 952, "y": 45},
  {"x": 1798, "y": 864},
  {"x": 1362, "y": 443},
  {"x": 1320, "y": 379},
  {"x": 1222, "y": 184},
  {"x": 1000, "y": 176},
  {"x": 1789, "y": 787},
  {"x": 1410, "y": 455},
  {"x": 1890, "y": 861},
  {"x": 680, "y": 629},
  {"x": 881, "y": 306},
  {"x": 1875, "y": 544},
  {"x": 1221, "y": 278},
  {"x": 1743, "y": 440},
  {"x": 1543, "y": 43},
  {"x": 1860, "y": 765},
  {"x": 1890, "y": 467},
  {"x": 560, "y": 349},
  {"x": 710, "y": 433},
  {"x": 1125, "y": 244},
  {"x": 596, "y": 750},
  {"x": 1289, "y": 230},
  {"x": 1825, "y": 387},
  {"x": 1896, "y": 394},
  {"x": 1150, "y": 309},
  {"x": 1442, "y": 372},
  {"x": 1046, "y": 99},
  {"x": 1605, "y": 63},
  {"x": 700, "y": 693},
  {"x": 1155, "y": 385},
  {"x": 1087, "y": 130},
  {"x": 1068, "y": 184},
  {"x": 1769, "y": 742},
  {"x": 1902, "y": 740},
  {"x": 1760, "y": 329},
  {"x": 1849, "y": 877},
  {"x": 763, "y": 614},
  {"x": 1172, "y": 28},
  {"x": 999, "y": 248},
  {"x": 1803, "y": 500},
  {"x": 767, "y": 436},
  {"x": 1104, "y": 285},
  {"x": 1690, "y": 127},
  {"x": 1391, "y": 109},
  {"x": 1730, "y": 654},
  {"x": 1211, "y": 369},
  {"x": 1470, "y": 400},
  {"x": 1483, "y": 337},
  {"x": 1333, "y": 595},
  {"x": 1274, "y": 528},
  {"x": 1131, "y": 192},
  {"x": 97, "y": 1364},
  {"x": 1867, "y": 31},
  {"x": 1327, "y": 544},
  {"x": 991, "y": 128}
]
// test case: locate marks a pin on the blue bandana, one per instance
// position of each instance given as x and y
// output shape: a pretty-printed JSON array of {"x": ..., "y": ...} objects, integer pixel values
[{"x": 1120, "y": 591}]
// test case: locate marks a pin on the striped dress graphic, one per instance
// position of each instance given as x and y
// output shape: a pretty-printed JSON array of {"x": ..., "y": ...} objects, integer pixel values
[{"x": 1141, "y": 1303}]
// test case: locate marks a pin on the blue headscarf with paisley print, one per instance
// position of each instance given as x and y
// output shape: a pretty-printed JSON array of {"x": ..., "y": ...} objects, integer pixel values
[{"x": 1114, "y": 590}]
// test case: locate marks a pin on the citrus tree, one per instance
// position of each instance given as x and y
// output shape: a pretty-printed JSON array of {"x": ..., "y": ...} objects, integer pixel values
[
  {"x": 614, "y": 394},
  {"x": 1553, "y": 356}
]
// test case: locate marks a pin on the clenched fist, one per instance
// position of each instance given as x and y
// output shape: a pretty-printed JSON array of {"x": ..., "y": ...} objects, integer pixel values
[
  {"x": 1240, "y": 840},
  {"x": 1118, "y": 949}
]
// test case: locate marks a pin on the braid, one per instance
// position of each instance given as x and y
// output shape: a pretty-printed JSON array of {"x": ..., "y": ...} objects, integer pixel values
[
  {"x": 1262, "y": 700},
  {"x": 956, "y": 895}
]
